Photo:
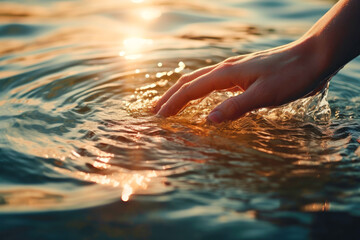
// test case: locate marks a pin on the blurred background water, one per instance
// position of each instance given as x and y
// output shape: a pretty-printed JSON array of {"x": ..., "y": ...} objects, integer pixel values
[{"x": 81, "y": 157}]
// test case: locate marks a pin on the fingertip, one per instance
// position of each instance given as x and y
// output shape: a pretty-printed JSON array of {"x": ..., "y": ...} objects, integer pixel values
[
  {"x": 157, "y": 105},
  {"x": 162, "y": 112},
  {"x": 216, "y": 117},
  {"x": 155, "y": 108},
  {"x": 158, "y": 116}
]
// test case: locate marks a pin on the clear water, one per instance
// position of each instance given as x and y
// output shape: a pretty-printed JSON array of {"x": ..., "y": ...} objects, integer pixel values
[{"x": 82, "y": 158}]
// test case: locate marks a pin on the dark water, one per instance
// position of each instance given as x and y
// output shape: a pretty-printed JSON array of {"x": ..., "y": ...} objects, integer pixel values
[{"x": 82, "y": 158}]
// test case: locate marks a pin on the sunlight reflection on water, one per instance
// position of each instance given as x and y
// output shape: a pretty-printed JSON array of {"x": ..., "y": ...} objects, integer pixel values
[
  {"x": 134, "y": 46},
  {"x": 76, "y": 129}
]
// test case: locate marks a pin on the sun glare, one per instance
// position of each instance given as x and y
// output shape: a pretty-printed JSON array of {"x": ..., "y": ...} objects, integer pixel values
[
  {"x": 149, "y": 14},
  {"x": 134, "y": 46}
]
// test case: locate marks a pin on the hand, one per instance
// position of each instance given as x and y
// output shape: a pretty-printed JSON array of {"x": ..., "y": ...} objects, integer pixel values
[
  {"x": 276, "y": 76},
  {"x": 268, "y": 78}
]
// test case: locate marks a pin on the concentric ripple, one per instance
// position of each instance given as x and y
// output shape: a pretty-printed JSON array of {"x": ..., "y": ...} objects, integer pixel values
[{"x": 76, "y": 131}]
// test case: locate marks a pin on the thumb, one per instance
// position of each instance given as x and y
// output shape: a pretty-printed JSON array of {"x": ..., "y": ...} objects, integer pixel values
[{"x": 235, "y": 107}]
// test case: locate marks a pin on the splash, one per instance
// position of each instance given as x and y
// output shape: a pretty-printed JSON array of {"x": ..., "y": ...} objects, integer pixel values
[
  {"x": 310, "y": 109},
  {"x": 314, "y": 108}
]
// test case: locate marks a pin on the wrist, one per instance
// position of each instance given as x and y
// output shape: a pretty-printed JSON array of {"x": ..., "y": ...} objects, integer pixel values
[{"x": 313, "y": 56}]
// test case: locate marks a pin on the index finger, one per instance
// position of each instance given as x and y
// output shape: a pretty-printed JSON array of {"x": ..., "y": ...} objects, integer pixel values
[
  {"x": 188, "y": 78},
  {"x": 183, "y": 80},
  {"x": 217, "y": 79}
]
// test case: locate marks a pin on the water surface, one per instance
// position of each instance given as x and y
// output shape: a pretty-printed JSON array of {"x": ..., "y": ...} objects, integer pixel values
[{"x": 81, "y": 157}]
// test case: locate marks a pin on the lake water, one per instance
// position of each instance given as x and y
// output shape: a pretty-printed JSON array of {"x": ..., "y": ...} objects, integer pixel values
[{"x": 81, "y": 157}]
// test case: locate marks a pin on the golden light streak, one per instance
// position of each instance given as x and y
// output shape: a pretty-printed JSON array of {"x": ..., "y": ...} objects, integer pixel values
[
  {"x": 128, "y": 182},
  {"x": 181, "y": 67},
  {"x": 127, "y": 191},
  {"x": 102, "y": 160},
  {"x": 150, "y": 14},
  {"x": 101, "y": 165},
  {"x": 317, "y": 207},
  {"x": 75, "y": 153},
  {"x": 133, "y": 47}
]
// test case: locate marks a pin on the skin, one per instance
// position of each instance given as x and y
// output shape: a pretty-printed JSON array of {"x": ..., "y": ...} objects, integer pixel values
[{"x": 276, "y": 76}]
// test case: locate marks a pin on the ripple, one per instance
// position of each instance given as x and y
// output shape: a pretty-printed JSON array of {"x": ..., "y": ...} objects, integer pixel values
[
  {"x": 76, "y": 132},
  {"x": 19, "y": 30}
]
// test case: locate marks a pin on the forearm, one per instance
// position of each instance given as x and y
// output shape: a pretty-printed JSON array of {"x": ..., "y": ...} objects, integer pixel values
[{"x": 336, "y": 36}]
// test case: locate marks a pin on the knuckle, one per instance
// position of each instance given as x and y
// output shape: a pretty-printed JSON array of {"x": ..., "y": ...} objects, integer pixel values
[
  {"x": 233, "y": 59},
  {"x": 229, "y": 60},
  {"x": 184, "y": 90},
  {"x": 226, "y": 69},
  {"x": 184, "y": 79},
  {"x": 185, "y": 87},
  {"x": 226, "y": 65}
]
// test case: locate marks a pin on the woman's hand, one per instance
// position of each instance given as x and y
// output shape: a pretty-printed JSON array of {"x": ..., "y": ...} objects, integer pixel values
[
  {"x": 276, "y": 76},
  {"x": 268, "y": 78}
]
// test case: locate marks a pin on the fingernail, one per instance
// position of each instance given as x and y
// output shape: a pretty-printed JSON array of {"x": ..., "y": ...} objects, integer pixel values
[
  {"x": 161, "y": 112},
  {"x": 216, "y": 117},
  {"x": 158, "y": 116}
]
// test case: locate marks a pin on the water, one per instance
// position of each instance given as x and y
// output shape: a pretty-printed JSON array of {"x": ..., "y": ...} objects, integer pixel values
[{"x": 82, "y": 158}]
